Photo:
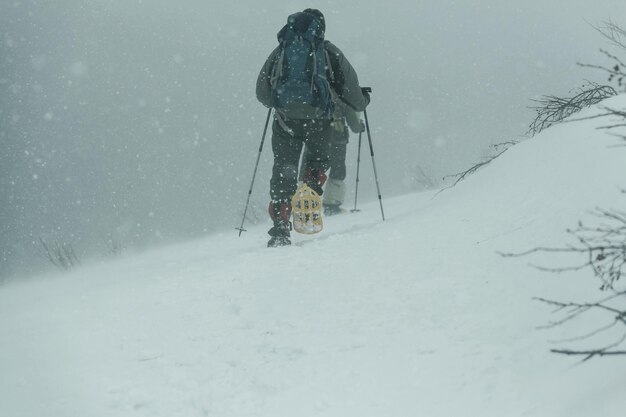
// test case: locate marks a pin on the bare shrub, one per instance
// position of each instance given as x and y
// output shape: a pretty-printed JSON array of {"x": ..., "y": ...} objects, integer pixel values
[
  {"x": 603, "y": 247},
  {"x": 61, "y": 255},
  {"x": 552, "y": 109},
  {"x": 617, "y": 38}
]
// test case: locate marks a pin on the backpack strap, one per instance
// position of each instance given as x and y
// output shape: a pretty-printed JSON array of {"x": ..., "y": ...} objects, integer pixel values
[
  {"x": 281, "y": 122},
  {"x": 277, "y": 70},
  {"x": 314, "y": 72},
  {"x": 331, "y": 73}
]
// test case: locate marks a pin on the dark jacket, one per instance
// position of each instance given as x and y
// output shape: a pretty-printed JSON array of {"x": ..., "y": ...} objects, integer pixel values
[{"x": 342, "y": 77}]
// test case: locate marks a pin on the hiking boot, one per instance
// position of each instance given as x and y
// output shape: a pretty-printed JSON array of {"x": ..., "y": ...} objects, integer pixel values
[
  {"x": 277, "y": 241},
  {"x": 279, "y": 234},
  {"x": 332, "y": 209}
]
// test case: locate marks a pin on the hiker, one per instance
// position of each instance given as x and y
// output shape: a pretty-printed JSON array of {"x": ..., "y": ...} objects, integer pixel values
[
  {"x": 335, "y": 190},
  {"x": 302, "y": 79}
]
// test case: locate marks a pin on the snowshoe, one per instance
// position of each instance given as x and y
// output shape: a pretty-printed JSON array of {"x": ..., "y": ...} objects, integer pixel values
[{"x": 306, "y": 208}]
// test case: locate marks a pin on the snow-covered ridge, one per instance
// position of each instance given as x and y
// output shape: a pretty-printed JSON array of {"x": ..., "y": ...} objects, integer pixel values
[{"x": 416, "y": 316}]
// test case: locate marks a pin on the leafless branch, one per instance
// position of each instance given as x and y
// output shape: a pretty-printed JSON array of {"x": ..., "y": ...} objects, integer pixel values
[
  {"x": 61, "y": 255},
  {"x": 462, "y": 175},
  {"x": 589, "y": 353},
  {"x": 552, "y": 109},
  {"x": 575, "y": 310},
  {"x": 604, "y": 246},
  {"x": 613, "y": 33},
  {"x": 616, "y": 72}
]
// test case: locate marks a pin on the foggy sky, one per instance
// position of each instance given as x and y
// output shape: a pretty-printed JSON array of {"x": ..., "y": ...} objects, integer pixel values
[{"x": 136, "y": 121}]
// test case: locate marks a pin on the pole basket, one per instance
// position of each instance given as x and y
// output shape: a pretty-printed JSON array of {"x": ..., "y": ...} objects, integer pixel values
[{"x": 306, "y": 208}]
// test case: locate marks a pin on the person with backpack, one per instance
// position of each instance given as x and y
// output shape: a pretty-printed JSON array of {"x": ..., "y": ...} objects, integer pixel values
[
  {"x": 302, "y": 80},
  {"x": 344, "y": 118}
]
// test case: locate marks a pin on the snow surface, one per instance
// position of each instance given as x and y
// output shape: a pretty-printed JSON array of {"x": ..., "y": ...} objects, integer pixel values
[{"x": 416, "y": 316}]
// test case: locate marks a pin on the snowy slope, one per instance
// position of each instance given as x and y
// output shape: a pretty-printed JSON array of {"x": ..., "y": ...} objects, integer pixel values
[{"x": 416, "y": 316}]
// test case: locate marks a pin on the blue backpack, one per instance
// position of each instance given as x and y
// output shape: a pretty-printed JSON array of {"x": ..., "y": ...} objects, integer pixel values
[{"x": 299, "y": 85}]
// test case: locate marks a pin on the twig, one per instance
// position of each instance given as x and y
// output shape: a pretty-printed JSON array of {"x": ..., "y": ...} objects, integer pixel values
[
  {"x": 461, "y": 176},
  {"x": 553, "y": 109},
  {"x": 588, "y": 353}
]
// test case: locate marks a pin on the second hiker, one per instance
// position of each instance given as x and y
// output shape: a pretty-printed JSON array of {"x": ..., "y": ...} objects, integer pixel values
[{"x": 335, "y": 191}]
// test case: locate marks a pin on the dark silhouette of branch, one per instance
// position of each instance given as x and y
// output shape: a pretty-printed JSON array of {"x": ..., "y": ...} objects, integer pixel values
[
  {"x": 506, "y": 144},
  {"x": 617, "y": 37},
  {"x": 461, "y": 175},
  {"x": 617, "y": 113},
  {"x": 616, "y": 71},
  {"x": 552, "y": 109},
  {"x": 613, "y": 33},
  {"x": 604, "y": 247},
  {"x": 588, "y": 353},
  {"x": 575, "y": 310}
]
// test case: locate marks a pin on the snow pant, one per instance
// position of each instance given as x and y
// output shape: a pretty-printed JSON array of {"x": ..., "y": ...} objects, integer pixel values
[
  {"x": 336, "y": 187},
  {"x": 335, "y": 191},
  {"x": 287, "y": 146},
  {"x": 338, "y": 160}
]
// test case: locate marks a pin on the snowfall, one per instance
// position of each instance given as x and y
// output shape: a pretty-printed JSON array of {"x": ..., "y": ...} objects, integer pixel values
[{"x": 417, "y": 315}]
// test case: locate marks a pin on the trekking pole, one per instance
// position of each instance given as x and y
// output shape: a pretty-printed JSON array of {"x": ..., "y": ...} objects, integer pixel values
[
  {"x": 256, "y": 166},
  {"x": 358, "y": 164},
  {"x": 369, "y": 137}
]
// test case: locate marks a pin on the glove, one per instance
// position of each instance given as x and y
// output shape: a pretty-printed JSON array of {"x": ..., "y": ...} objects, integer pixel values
[
  {"x": 361, "y": 128},
  {"x": 367, "y": 97}
]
